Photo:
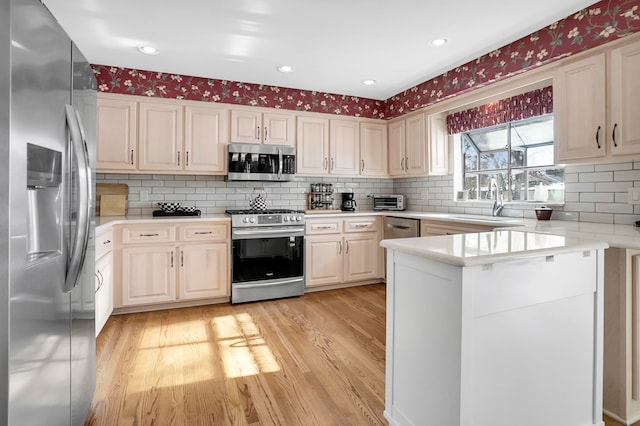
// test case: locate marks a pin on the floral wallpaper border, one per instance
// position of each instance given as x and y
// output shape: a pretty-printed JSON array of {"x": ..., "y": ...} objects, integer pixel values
[{"x": 598, "y": 24}]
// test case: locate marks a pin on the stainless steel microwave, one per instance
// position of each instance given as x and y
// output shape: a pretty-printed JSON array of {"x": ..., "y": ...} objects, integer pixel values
[
  {"x": 248, "y": 161},
  {"x": 388, "y": 202}
]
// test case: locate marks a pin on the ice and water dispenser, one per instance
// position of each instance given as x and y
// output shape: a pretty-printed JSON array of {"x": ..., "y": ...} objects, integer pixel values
[{"x": 44, "y": 200}]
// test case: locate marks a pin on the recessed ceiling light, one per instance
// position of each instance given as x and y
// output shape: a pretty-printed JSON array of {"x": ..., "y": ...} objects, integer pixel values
[
  {"x": 368, "y": 82},
  {"x": 148, "y": 50},
  {"x": 439, "y": 42},
  {"x": 285, "y": 68}
]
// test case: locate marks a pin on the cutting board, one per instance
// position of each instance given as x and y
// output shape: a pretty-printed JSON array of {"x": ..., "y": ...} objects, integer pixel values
[{"x": 114, "y": 206}]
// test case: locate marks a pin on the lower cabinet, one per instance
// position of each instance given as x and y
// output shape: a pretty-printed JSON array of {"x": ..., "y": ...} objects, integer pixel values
[
  {"x": 341, "y": 251},
  {"x": 167, "y": 263},
  {"x": 104, "y": 278},
  {"x": 429, "y": 228}
]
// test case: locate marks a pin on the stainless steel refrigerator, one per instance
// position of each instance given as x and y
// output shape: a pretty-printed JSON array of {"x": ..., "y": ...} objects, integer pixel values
[{"x": 47, "y": 157}]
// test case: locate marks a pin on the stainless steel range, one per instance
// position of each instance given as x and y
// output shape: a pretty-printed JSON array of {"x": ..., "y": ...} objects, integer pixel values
[{"x": 267, "y": 254}]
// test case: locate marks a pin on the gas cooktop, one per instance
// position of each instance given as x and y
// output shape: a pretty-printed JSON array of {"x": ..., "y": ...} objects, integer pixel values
[{"x": 265, "y": 211}]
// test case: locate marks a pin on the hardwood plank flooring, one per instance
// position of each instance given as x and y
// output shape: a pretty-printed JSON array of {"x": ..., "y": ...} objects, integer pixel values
[{"x": 313, "y": 360}]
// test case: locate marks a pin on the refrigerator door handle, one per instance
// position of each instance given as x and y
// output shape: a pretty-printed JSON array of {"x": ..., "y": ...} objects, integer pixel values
[{"x": 78, "y": 247}]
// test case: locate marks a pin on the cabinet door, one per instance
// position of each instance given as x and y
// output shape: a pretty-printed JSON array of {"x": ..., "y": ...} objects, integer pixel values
[
  {"x": 204, "y": 270},
  {"x": 344, "y": 147},
  {"x": 324, "y": 263},
  {"x": 148, "y": 275},
  {"x": 415, "y": 158},
  {"x": 246, "y": 126},
  {"x": 206, "y": 137},
  {"x": 373, "y": 149},
  {"x": 438, "y": 145},
  {"x": 279, "y": 129},
  {"x": 396, "y": 148},
  {"x": 361, "y": 257},
  {"x": 313, "y": 146},
  {"x": 579, "y": 106},
  {"x": 104, "y": 290},
  {"x": 624, "y": 86},
  {"x": 160, "y": 137},
  {"x": 116, "y": 133}
]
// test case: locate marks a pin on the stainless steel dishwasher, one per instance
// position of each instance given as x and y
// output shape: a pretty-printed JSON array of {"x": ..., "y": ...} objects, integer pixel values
[{"x": 401, "y": 227}]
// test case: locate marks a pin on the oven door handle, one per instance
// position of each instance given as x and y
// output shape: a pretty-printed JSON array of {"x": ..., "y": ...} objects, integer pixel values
[
  {"x": 270, "y": 233},
  {"x": 271, "y": 284}
]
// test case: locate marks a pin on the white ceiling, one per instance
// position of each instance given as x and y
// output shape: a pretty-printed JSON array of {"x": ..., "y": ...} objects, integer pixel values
[{"x": 332, "y": 44}]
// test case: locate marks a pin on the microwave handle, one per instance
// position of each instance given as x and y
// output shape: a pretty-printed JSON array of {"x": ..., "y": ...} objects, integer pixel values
[{"x": 279, "y": 163}]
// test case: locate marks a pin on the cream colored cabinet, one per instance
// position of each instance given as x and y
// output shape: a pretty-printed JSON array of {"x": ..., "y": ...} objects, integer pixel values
[
  {"x": 344, "y": 147},
  {"x": 596, "y": 107},
  {"x": 172, "y": 262},
  {"x": 312, "y": 154},
  {"x": 621, "y": 393},
  {"x": 407, "y": 147},
  {"x": 429, "y": 227},
  {"x": 117, "y": 127},
  {"x": 437, "y": 145},
  {"x": 104, "y": 278},
  {"x": 206, "y": 136},
  {"x": 342, "y": 251},
  {"x": 373, "y": 149},
  {"x": 249, "y": 126},
  {"x": 161, "y": 137}
]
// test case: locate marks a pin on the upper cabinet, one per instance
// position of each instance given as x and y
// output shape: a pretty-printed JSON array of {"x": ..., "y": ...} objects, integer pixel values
[
  {"x": 117, "y": 134},
  {"x": 438, "y": 145},
  {"x": 373, "y": 149},
  {"x": 250, "y": 126},
  {"x": 161, "y": 135},
  {"x": 407, "y": 146},
  {"x": 596, "y": 107},
  {"x": 328, "y": 147}
]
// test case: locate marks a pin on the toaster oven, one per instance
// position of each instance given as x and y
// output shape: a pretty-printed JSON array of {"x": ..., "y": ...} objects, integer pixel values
[{"x": 388, "y": 202}]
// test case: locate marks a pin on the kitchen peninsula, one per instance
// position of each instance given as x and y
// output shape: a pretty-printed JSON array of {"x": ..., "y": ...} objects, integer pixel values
[{"x": 494, "y": 328}]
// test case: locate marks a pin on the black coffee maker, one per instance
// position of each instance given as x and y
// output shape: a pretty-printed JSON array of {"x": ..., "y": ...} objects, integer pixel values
[{"x": 348, "y": 203}]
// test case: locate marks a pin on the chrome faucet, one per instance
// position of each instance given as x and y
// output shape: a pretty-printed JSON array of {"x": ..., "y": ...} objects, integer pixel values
[{"x": 498, "y": 205}]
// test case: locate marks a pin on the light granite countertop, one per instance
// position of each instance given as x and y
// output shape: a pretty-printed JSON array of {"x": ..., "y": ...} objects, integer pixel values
[
  {"x": 490, "y": 247},
  {"x": 102, "y": 222}
]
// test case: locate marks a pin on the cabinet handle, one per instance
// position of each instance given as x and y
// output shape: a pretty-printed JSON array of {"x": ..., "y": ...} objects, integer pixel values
[
  {"x": 187, "y": 159},
  {"x": 324, "y": 163},
  {"x": 181, "y": 259},
  {"x": 339, "y": 247},
  {"x": 172, "y": 258},
  {"x": 203, "y": 232},
  {"x": 322, "y": 227},
  {"x": 363, "y": 225},
  {"x": 100, "y": 280},
  {"x": 406, "y": 163},
  {"x": 178, "y": 158},
  {"x": 148, "y": 235},
  {"x": 132, "y": 157},
  {"x": 258, "y": 132},
  {"x": 402, "y": 163},
  {"x": 332, "y": 163},
  {"x": 265, "y": 134},
  {"x": 107, "y": 242},
  {"x": 598, "y": 137},
  {"x": 347, "y": 251},
  {"x": 362, "y": 167},
  {"x": 613, "y": 135}
]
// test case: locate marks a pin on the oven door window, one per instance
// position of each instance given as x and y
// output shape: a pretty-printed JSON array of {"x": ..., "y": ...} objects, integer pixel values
[{"x": 259, "y": 259}]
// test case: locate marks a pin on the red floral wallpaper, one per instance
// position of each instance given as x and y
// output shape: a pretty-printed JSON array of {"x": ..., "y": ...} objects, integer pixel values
[
  {"x": 526, "y": 105},
  {"x": 605, "y": 21}
]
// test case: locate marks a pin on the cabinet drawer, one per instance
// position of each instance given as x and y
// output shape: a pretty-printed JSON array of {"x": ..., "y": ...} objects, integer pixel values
[
  {"x": 104, "y": 242},
  {"x": 204, "y": 232},
  {"x": 324, "y": 226},
  {"x": 361, "y": 224},
  {"x": 152, "y": 233}
]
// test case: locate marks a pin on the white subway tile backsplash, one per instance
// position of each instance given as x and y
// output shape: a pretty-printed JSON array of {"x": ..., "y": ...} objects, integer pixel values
[
  {"x": 596, "y": 177},
  {"x": 596, "y": 197},
  {"x": 596, "y": 217},
  {"x": 633, "y": 175},
  {"x": 613, "y": 167},
  {"x": 614, "y": 208}
]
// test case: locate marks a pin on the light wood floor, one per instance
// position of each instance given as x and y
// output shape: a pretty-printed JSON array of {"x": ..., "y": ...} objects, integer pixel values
[{"x": 313, "y": 360}]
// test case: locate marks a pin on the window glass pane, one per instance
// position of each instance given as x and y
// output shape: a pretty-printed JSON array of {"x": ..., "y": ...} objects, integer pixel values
[
  {"x": 485, "y": 182},
  {"x": 532, "y": 132},
  {"x": 518, "y": 185},
  {"x": 540, "y": 156},
  {"x": 493, "y": 160},
  {"x": 490, "y": 139},
  {"x": 471, "y": 186},
  {"x": 517, "y": 158},
  {"x": 470, "y": 156},
  {"x": 550, "y": 184}
]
